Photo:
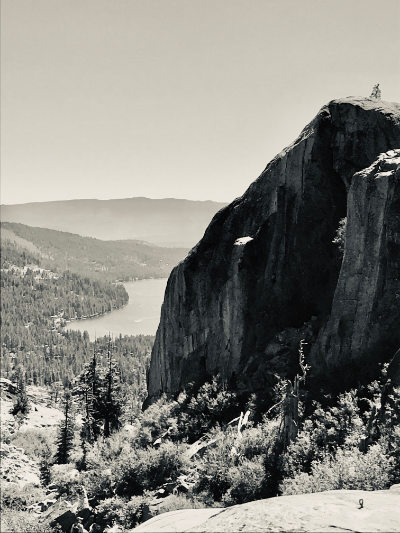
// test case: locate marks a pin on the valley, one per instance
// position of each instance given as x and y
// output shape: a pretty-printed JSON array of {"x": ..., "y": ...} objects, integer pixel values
[
  {"x": 200, "y": 266},
  {"x": 123, "y": 260},
  {"x": 267, "y": 399}
]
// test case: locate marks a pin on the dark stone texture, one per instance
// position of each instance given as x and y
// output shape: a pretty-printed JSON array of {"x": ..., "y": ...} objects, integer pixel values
[
  {"x": 364, "y": 325},
  {"x": 241, "y": 309}
]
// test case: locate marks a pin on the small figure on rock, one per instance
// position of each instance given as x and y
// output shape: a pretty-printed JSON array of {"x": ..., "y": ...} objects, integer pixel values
[{"x": 376, "y": 92}]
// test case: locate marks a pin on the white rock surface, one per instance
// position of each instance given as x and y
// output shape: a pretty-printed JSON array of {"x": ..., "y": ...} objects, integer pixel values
[
  {"x": 336, "y": 510},
  {"x": 175, "y": 521}
]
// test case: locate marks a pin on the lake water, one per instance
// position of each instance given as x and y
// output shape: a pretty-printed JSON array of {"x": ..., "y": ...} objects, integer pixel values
[{"x": 139, "y": 317}]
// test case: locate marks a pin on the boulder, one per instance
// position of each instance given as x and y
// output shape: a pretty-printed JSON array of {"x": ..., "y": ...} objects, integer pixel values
[
  {"x": 66, "y": 511},
  {"x": 8, "y": 386}
]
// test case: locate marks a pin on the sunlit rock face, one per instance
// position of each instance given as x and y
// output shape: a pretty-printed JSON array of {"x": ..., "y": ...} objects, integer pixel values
[
  {"x": 266, "y": 272},
  {"x": 364, "y": 322}
]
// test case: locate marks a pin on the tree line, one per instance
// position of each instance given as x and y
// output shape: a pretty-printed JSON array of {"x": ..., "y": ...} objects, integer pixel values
[{"x": 103, "y": 260}]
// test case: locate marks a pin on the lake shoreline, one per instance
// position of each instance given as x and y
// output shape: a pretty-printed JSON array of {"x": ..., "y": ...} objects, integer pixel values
[
  {"x": 97, "y": 315},
  {"x": 139, "y": 316}
]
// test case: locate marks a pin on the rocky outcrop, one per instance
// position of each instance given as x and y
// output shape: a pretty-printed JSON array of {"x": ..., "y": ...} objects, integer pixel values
[
  {"x": 17, "y": 468},
  {"x": 364, "y": 320},
  {"x": 63, "y": 513},
  {"x": 334, "y": 510},
  {"x": 265, "y": 273}
]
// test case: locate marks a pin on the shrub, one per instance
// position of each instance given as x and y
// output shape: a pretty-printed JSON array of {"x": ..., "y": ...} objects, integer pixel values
[
  {"x": 391, "y": 445},
  {"x": 148, "y": 469},
  {"x": 37, "y": 443},
  {"x": 126, "y": 513},
  {"x": 175, "y": 502},
  {"x": 99, "y": 484},
  {"x": 213, "y": 466},
  {"x": 66, "y": 478},
  {"x": 385, "y": 430},
  {"x": 258, "y": 440},
  {"x": 340, "y": 237},
  {"x": 236, "y": 469},
  {"x": 19, "y": 498},
  {"x": 324, "y": 432},
  {"x": 103, "y": 453},
  {"x": 130, "y": 512},
  {"x": 100, "y": 460},
  {"x": 159, "y": 418},
  {"x": 347, "y": 469},
  {"x": 246, "y": 481},
  {"x": 212, "y": 406},
  {"x": 190, "y": 417},
  {"x": 13, "y": 521}
]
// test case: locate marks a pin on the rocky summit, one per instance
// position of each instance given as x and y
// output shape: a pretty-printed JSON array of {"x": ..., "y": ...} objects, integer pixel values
[{"x": 267, "y": 274}]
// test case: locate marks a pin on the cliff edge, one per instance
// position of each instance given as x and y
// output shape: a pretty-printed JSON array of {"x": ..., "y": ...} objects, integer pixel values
[{"x": 266, "y": 273}]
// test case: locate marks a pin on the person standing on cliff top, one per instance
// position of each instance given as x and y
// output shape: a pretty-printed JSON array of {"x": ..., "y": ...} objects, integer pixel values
[{"x": 376, "y": 92}]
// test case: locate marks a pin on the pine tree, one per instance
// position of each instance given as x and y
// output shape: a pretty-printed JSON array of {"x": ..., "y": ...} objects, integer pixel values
[
  {"x": 21, "y": 406},
  {"x": 87, "y": 387},
  {"x": 99, "y": 388},
  {"x": 112, "y": 397},
  {"x": 65, "y": 432}
]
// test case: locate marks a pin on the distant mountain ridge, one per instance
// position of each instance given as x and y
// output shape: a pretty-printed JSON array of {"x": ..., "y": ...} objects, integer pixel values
[{"x": 166, "y": 222}]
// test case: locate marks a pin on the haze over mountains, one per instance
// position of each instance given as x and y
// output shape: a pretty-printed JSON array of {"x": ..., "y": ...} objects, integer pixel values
[{"x": 166, "y": 222}]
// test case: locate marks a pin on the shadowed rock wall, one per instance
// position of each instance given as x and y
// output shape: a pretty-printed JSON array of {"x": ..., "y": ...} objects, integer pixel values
[{"x": 265, "y": 273}]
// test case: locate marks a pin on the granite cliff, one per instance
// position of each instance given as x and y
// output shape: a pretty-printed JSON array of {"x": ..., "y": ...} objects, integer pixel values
[
  {"x": 266, "y": 273},
  {"x": 365, "y": 316}
]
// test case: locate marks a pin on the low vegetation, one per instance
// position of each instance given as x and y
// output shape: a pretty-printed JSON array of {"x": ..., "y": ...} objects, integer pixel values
[
  {"x": 206, "y": 447},
  {"x": 351, "y": 441}
]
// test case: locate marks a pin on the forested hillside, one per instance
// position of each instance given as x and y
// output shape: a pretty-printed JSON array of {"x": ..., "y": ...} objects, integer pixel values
[
  {"x": 35, "y": 304},
  {"x": 104, "y": 260}
]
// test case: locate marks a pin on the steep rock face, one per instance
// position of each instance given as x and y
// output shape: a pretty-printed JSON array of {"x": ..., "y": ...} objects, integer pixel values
[
  {"x": 365, "y": 315},
  {"x": 265, "y": 272}
]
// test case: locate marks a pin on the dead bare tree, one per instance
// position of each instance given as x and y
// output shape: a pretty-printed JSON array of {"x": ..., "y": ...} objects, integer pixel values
[{"x": 290, "y": 402}]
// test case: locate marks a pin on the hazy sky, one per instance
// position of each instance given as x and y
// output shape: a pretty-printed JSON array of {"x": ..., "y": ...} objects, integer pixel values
[{"x": 176, "y": 98}]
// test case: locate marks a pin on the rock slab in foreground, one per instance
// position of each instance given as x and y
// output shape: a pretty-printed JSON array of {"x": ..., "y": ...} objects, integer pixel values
[{"x": 335, "y": 510}]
